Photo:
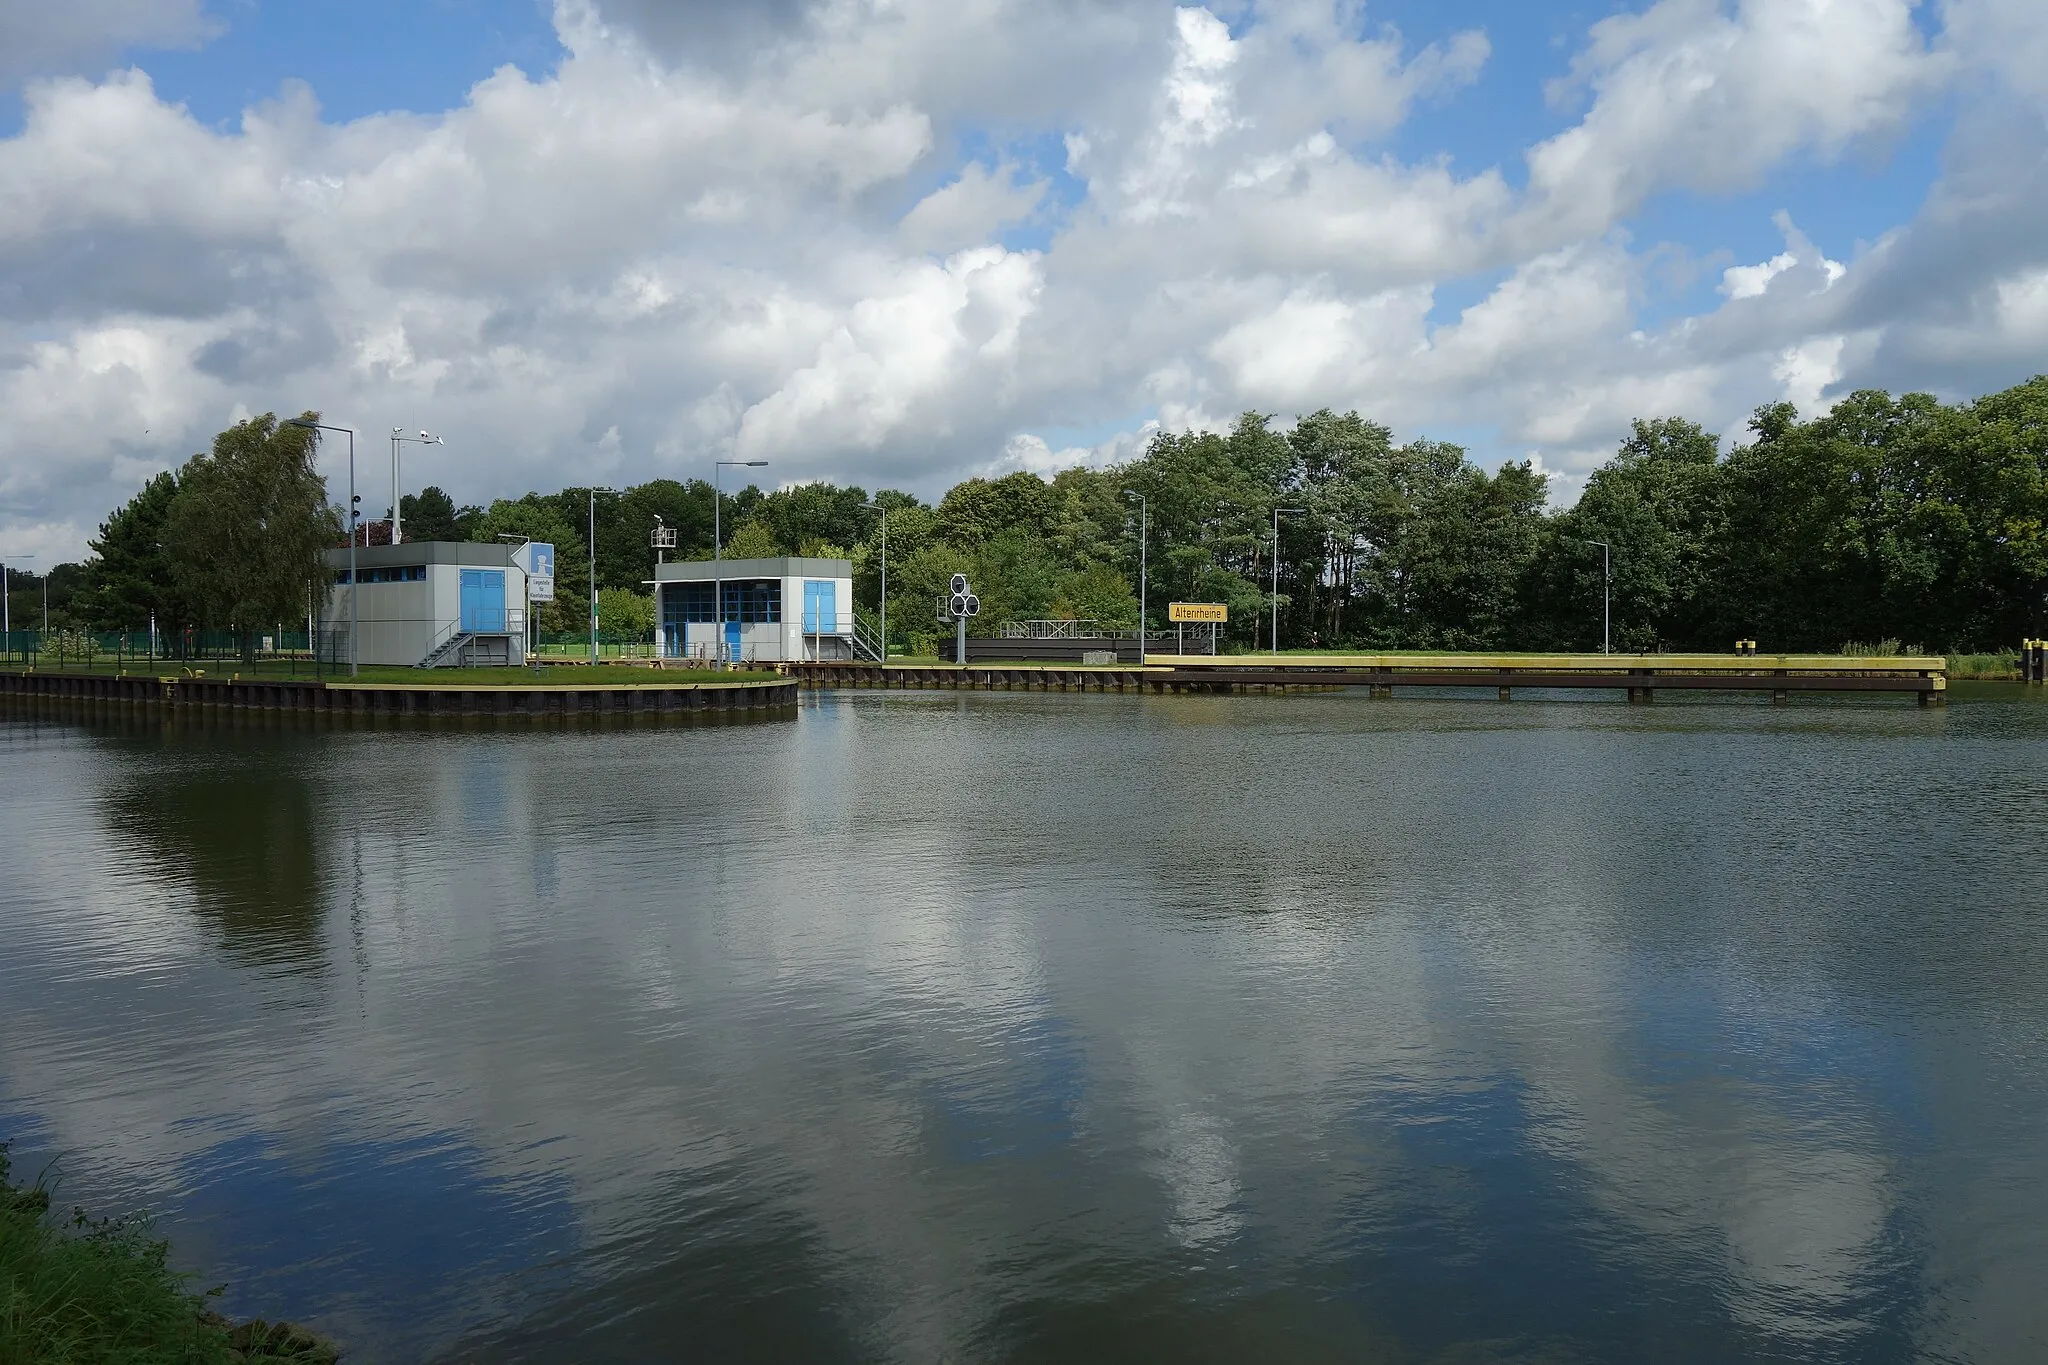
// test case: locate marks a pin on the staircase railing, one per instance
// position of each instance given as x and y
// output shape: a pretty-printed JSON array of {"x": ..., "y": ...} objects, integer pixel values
[
  {"x": 512, "y": 621},
  {"x": 867, "y": 638}
]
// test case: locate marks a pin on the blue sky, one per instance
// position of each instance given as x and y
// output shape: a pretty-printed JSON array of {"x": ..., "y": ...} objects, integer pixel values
[{"x": 913, "y": 242}]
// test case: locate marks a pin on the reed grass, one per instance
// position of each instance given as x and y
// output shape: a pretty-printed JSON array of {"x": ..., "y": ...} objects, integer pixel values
[
  {"x": 2000, "y": 666},
  {"x": 80, "y": 1291}
]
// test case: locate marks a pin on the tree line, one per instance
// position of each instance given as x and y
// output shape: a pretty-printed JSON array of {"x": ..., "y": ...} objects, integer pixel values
[{"x": 1886, "y": 517}]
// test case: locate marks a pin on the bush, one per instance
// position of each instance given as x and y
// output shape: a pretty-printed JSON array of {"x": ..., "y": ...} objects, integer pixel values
[{"x": 67, "y": 646}]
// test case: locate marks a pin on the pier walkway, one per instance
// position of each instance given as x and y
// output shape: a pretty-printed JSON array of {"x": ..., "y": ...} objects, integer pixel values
[{"x": 1640, "y": 676}]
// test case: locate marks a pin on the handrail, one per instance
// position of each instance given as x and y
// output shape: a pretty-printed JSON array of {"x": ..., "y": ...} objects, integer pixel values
[
  {"x": 867, "y": 639},
  {"x": 514, "y": 619}
]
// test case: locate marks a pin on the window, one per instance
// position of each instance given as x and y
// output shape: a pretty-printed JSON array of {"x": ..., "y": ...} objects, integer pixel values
[
  {"x": 689, "y": 602},
  {"x": 745, "y": 600},
  {"x": 754, "y": 600},
  {"x": 404, "y": 573}
]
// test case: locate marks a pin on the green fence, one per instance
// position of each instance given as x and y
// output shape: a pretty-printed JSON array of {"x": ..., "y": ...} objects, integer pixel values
[
  {"x": 575, "y": 644},
  {"x": 288, "y": 650}
]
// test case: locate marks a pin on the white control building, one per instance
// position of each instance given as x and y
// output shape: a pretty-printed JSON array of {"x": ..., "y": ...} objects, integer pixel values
[
  {"x": 432, "y": 602},
  {"x": 757, "y": 610}
]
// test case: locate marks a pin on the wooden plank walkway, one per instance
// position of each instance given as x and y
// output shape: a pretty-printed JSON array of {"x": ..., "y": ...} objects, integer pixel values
[{"x": 1640, "y": 676}]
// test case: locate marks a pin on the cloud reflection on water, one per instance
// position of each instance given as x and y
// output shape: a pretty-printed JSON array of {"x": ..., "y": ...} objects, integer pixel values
[{"x": 945, "y": 1026}]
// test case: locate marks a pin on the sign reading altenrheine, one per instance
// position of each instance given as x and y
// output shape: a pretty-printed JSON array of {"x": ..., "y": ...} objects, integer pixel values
[{"x": 1198, "y": 611}]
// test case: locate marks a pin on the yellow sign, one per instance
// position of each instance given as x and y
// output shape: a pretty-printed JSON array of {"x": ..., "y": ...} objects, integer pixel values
[{"x": 1197, "y": 611}]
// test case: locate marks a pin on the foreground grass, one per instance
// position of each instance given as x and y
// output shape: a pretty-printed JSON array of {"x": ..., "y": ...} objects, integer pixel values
[
  {"x": 1999, "y": 667},
  {"x": 551, "y": 675},
  {"x": 548, "y": 675},
  {"x": 79, "y": 1292}
]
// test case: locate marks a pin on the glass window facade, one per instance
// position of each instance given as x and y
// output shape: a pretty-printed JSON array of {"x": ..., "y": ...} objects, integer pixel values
[
  {"x": 406, "y": 573},
  {"x": 754, "y": 600},
  {"x": 746, "y": 599}
]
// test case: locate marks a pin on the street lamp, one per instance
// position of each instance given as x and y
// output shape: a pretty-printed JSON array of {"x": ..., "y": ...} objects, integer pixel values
[
  {"x": 718, "y": 547},
  {"x": 875, "y": 505},
  {"x": 1290, "y": 511},
  {"x": 1606, "y": 587},
  {"x": 6, "y": 620},
  {"x": 355, "y": 514},
  {"x": 594, "y": 491},
  {"x": 1144, "y": 530},
  {"x": 398, "y": 438}
]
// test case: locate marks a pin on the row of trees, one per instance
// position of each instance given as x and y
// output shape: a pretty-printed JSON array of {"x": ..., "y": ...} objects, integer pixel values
[
  {"x": 235, "y": 539},
  {"x": 1886, "y": 517}
]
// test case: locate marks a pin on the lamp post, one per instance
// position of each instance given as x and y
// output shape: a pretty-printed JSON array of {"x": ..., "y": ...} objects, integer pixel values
[
  {"x": 875, "y": 505},
  {"x": 718, "y": 548},
  {"x": 1606, "y": 588},
  {"x": 594, "y": 491},
  {"x": 1144, "y": 534},
  {"x": 355, "y": 515},
  {"x": 1290, "y": 511},
  {"x": 6, "y": 619},
  {"x": 398, "y": 438}
]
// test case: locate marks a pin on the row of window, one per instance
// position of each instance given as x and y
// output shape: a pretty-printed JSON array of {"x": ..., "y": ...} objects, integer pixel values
[
  {"x": 404, "y": 573},
  {"x": 746, "y": 600}
]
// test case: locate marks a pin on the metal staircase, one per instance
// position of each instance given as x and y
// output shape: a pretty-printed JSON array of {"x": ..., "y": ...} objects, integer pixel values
[
  {"x": 445, "y": 654},
  {"x": 867, "y": 639},
  {"x": 499, "y": 638}
]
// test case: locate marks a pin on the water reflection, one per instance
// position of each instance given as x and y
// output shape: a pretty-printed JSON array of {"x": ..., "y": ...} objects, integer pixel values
[
  {"x": 241, "y": 840},
  {"x": 1074, "y": 1027}
]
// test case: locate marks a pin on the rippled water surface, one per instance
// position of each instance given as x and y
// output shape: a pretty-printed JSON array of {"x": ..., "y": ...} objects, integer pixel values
[{"x": 1009, "y": 1027}]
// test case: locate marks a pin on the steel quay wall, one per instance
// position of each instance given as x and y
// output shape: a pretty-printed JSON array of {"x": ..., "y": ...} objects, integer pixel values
[
  {"x": 399, "y": 699},
  {"x": 1640, "y": 677}
]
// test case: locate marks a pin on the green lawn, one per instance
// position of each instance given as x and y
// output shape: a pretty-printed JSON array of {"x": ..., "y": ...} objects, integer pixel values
[{"x": 548, "y": 675}]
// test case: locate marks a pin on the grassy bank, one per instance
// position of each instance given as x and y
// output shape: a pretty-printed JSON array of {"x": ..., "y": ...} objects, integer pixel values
[
  {"x": 550, "y": 675},
  {"x": 2000, "y": 667},
  {"x": 75, "y": 1291}
]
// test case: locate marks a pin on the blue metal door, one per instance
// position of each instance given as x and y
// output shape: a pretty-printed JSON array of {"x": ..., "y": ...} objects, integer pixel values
[
  {"x": 732, "y": 641},
  {"x": 483, "y": 600},
  {"x": 821, "y": 608}
]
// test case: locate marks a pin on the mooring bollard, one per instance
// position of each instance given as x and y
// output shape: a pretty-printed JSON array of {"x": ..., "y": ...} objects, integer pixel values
[
  {"x": 2034, "y": 661},
  {"x": 1746, "y": 648}
]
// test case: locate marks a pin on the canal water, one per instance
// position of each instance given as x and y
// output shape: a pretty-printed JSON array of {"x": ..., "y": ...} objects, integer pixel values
[{"x": 1007, "y": 1027}]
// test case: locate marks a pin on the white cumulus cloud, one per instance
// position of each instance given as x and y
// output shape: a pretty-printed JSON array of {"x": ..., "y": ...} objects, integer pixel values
[{"x": 901, "y": 242}]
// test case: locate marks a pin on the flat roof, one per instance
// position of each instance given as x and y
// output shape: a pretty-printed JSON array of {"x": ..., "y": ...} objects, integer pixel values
[
  {"x": 475, "y": 552},
  {"x": 790, "y": 566}
]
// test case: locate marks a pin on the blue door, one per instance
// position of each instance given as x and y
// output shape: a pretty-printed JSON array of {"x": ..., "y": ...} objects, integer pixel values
[
  {"x": 821, "y": 608},
  {"x": 732, "y": 641},
  {"x": 483, "y": 600}
]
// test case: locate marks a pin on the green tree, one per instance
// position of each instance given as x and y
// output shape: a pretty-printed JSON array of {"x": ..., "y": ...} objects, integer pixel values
[
  {"x": 976, "y": 511},
  {"x": 246, "y": 536},
  {"x": 127, "y": 578},
  {"x": 753, "y": 540},
  {"x": 625, "y": 614},
  {"x": 815, "y": 512},
  {"x": 539, "y": 518},
  {"x": 1660, "y": 505},
  {"x": 433, "y": 515},
  {"x": 684, "y": 508},
  {"x": 1095, "y": 593}
]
